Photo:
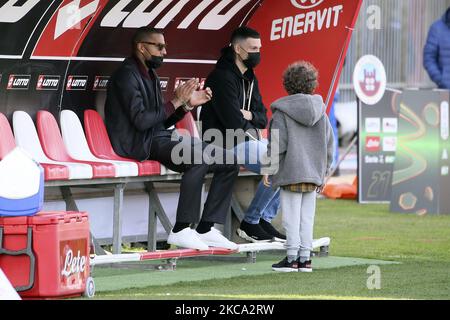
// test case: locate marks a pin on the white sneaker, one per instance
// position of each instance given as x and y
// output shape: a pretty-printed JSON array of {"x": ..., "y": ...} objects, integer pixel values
[
  {"x": 186, "y": 238},
  {"x": 214, "y": 238},
  {"x": 279, "y": 240}
]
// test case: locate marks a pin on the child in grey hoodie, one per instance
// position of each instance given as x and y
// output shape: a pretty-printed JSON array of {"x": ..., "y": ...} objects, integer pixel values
[{"x": 299, "y": 157}]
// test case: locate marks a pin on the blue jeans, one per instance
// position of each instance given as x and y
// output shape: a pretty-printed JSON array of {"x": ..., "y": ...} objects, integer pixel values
[{"x": 266, "y": 202}]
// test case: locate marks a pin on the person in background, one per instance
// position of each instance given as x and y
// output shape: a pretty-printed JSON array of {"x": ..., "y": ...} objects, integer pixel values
[
  {"x": 300, "y": 150},
  {"x": 436, "y": 53}
]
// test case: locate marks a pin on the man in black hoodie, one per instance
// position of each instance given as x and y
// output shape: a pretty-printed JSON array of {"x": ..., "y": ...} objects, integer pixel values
[
  {"x": 137, "y": 120},
  {"x": 237, "y": 111}
]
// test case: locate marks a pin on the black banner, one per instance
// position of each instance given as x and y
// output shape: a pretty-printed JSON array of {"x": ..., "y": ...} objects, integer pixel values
[
  {"x": 421, "y": 177},
  {"x": 378, "y": 127}
]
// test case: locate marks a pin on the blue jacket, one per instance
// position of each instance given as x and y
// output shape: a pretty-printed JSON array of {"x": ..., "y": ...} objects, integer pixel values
[{"x": 436, "y": 55}]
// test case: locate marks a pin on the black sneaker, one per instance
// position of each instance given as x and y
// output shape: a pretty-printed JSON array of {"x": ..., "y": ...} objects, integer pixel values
[
  {"x": 285, "y": 266},
  {"x": 305, "y": 266},
  {"x": 267, "y": 227},
  {"x": 253, "y": 232}
]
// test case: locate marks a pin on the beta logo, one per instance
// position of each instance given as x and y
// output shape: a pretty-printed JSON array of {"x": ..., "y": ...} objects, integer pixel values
[
  {"x": 76, "y": 83},
  {"x": 18, "y": 82},
  {"x": 373, "y": 144},
  {"x": 306, "y": 4},
  {"x": 100, "y": 83},
  {"x": 46, "y": 82}
]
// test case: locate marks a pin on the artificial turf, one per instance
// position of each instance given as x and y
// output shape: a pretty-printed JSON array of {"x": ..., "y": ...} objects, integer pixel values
[{"x": 419, "y": 246}]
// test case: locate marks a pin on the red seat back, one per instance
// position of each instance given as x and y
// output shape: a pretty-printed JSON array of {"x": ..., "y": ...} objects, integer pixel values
[
  {"x": 188, "y": 124},
  {"x": 100, "y": 145},
  {"x": 7, "y": 142},
  {"x": 97, "y": 136},
  {"x": 51, "y": 140}
]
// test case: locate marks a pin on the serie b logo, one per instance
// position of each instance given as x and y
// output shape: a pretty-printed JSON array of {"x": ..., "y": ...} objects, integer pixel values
[
  {"x": 369, "y": 79},
  {"x": 370, "y": 85}
]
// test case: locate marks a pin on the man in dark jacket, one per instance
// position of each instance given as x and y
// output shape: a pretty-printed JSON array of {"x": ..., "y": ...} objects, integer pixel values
[
  {"x": 137, "y": 120},
  {"x": 237, "y": 111},
  {"x": 436, "y": 55}
]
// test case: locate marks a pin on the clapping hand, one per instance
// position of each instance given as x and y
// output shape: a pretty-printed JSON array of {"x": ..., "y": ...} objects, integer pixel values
[
  {"x": 188, "y": 94},
  {"x": 200, "y": 97},
  {"x": 184, "y": 92}
]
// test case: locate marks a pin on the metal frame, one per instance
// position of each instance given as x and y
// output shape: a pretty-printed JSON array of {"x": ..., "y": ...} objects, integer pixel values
[
  {"x": 155, "y": 208},
  {"x": 250, "y": 249}
]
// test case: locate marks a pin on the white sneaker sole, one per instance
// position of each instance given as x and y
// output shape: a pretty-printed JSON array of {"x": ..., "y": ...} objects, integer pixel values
[
  {"x": 220, "y": 245},
  {"x": 284, "y": 269},
  {"x": 304, "y": 270},
  {"x": 244, "y": 235},
  {"x": 179, "y": 246}
]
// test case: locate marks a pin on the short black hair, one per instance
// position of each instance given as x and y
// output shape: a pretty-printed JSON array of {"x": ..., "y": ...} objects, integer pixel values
[
  {"x": 243, "y": 33},
  {"x": 142, "y": 33}
]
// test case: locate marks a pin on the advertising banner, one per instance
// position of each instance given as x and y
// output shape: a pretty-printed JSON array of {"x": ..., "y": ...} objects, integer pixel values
[
  {"x": 421, "y": 177},
  {"x": 378, "y": 129},
  {"x": 60, "y": 54}
]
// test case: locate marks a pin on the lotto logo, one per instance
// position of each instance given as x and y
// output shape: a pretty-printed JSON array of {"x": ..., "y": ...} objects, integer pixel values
[
  {"x": 48, "y": 82},
  {"x": 18, "y": 82},
  {"x": 100, "y": 83},
  {"x": 76, "y": 83}
]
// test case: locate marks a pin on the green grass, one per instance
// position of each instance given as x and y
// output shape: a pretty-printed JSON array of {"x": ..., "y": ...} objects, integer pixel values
[
  {"x": 137, "y": 275},
  {"x": 419, "y": 245},
  {"x": 425, "y": 280},
  {"x": 371, "y": 231}
]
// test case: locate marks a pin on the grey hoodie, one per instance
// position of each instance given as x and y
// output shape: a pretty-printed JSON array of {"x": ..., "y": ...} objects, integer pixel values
[{"x": 301, "y": 141}]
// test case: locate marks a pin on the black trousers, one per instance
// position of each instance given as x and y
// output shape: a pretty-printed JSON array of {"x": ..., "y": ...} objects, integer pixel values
[{"x": 217, "y": 205}]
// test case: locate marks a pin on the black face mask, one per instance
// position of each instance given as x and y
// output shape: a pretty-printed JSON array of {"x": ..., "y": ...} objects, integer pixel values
[
  {"x": 154, "y": 62},
  {"x": 254, "y": 58}
]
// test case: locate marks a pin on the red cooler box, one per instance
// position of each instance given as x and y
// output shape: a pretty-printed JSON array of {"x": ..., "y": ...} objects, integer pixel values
[{"x": 46, "y": 255}]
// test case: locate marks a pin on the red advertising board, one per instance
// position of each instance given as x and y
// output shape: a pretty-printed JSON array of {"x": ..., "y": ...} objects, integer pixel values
[
  {"x": 317, "y": 31},
  {"x": 74, "y": 42}
]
